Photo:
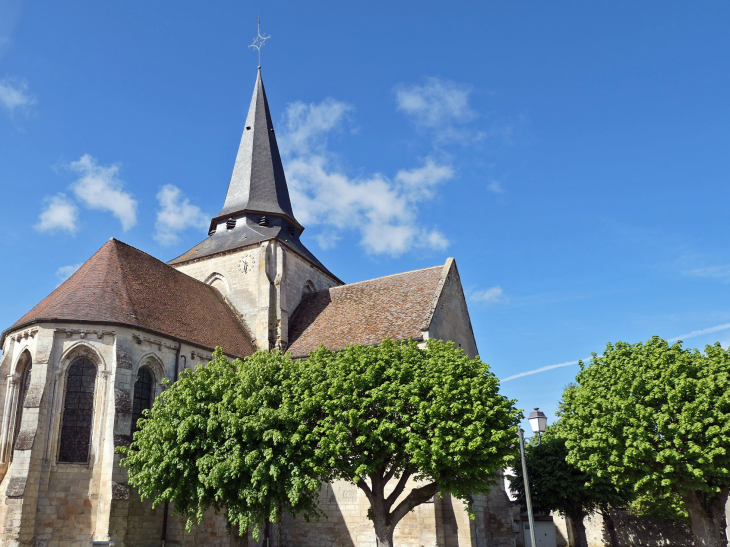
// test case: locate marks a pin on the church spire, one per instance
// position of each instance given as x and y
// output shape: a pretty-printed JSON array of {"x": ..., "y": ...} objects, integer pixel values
[{"x": 258, "y": 184}]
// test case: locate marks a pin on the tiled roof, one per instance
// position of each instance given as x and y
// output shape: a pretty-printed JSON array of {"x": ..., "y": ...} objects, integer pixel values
[
  {"x": 366, "y": 313},
  {"x": 123, "y": 285}
]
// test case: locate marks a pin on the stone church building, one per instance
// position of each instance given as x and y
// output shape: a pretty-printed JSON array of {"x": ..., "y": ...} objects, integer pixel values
[{"x": 80, "y": 367}]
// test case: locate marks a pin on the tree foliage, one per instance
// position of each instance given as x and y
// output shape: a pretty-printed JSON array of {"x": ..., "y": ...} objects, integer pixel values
[
  {"x": 656, "y": 418},
  {"x": 256, "y": 438},
  {"x": 396, "y": 411},
  {"x": 227, "y": 436},
  {"x": 556, "y": 485}
]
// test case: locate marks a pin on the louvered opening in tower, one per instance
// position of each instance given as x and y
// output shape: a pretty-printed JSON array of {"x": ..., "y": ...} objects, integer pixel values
[
  {"x": 263, "y": 221},
  {"x": 230, "y": 223},
  {"x": 292, "y": 231}
]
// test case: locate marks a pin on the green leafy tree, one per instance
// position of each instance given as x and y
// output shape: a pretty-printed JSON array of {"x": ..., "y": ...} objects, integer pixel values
[
  {"x": 255, "y": 438},
  {"x": 556, "y": 485},
  {"x": 395, "y": 411},
  {"x": 226, "y": 436},
  {"x": 656, "y": 418}
]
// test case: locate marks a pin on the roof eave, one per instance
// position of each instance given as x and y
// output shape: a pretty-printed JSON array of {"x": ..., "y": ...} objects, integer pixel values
[
  {"x": 25, "y": 324},
  {"x": 223, "y": 216}
]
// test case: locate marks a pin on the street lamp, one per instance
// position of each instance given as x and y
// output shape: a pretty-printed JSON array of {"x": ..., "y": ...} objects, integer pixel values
[{"x": 538, "y": 423}]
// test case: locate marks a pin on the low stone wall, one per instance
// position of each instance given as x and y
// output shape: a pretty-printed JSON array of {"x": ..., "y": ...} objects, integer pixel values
[{"x": 631, "y": 530}]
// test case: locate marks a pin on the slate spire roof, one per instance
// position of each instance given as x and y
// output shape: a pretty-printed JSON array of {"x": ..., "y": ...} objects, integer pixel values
[
  {"x": 257, "y": 206},
  {"x": 258, "y": 183},
  {"x": 121, "y": 285}
]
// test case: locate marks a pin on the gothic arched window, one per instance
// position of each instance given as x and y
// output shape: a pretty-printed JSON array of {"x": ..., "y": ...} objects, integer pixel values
[
  {"x": 22, "y": 393},
  {"x": 78, "y": 410},
  {"x": 142, "y": 395}
]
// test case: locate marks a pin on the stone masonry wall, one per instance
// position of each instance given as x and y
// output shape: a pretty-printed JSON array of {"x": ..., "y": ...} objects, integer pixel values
[
  {"x": 450, "y": 319},
  {"x": 632, "y": 531},
  {"x": 264, "y": 283},
  {"x": 443, "y": 522},
  {"x": 494, "y": 518},
  {"x": 45, "y": 503}
]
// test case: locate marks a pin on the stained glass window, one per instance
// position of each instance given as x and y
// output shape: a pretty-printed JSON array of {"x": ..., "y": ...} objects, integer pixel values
[
  {"x": 142, "y": 395},
  {"x": 78, "y": 412},
  {"x": 23, "y": 387}
]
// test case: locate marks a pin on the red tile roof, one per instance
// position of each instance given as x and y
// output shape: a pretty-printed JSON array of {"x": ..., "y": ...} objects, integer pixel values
[
  {"x": 366, "y": 313},
  {"x": 123, "y": 285}
]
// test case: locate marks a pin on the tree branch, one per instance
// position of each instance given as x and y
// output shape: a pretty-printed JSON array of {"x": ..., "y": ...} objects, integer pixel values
[
  {"x": 362, "y": 485},
  {"x": 416, "y": 497},
  {"x": 389, "y": 475},
  {"x": 390, "y": 500}
]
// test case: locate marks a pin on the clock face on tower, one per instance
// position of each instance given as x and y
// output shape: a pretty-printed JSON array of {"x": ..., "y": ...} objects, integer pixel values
[{"x": 247, "y": 262}]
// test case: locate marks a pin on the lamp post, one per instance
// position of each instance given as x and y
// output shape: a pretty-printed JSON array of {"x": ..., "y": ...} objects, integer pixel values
[{"x": 538, "y": 422}]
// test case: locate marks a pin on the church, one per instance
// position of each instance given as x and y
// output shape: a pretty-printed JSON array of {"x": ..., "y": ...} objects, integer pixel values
[{"x": 82, "y": 365}]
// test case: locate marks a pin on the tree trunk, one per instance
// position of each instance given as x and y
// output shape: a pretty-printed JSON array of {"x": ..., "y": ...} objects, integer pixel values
[
  {"x": 579, "y": 529},
  {"x": 383, "y": 530},
  {"x": 279, "y": 528},
  {"x": 610, "y": 526},
  {"x": 383, "y": 533},
  {"x": 707, "y": 517}
]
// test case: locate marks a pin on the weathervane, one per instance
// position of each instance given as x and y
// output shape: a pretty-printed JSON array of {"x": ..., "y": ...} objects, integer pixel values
[{"x": 258, "y": 42}]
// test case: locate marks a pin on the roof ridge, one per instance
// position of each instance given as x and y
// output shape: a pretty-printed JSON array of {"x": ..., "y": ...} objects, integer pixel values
[
  {"x": 124, "y": 277},
  {"x": 384, "y": 277}
]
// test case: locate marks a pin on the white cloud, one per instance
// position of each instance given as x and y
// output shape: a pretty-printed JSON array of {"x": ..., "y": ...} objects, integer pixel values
[
  {"x": 714, "y": 272},
  {"x": 14, "y": 94},
  {"x": 175, "y": 215},
  {"x": 59, "y": 214},
  {"x": 495, "y": 187},
  {"x": 64, "y": 272},
  {"x": 307, "y": 124},
  {"x": 422, "y": 181},
  {"x": 101, "y": 188},
  {"x": 383, "y": 210},
  {"x": 327, "y": 239},
  {"x": 492, "y": 295},
  {"x": 436, "y": 103}
]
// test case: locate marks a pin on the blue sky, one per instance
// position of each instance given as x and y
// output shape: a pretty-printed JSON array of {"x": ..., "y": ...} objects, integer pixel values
[{"x": 573, "y": 157}]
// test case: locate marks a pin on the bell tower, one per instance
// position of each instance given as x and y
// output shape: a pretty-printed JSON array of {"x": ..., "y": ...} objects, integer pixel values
[{"x": 253, "y": 254}]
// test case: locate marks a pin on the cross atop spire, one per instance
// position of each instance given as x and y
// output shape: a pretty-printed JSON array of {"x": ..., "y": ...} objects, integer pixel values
[{"x": 258, "y": 42}]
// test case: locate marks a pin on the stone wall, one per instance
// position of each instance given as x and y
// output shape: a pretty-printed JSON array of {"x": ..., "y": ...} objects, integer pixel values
[
  {"x": 494, "y": 518},
  {"x": 46, "y": 503},
  {"x": 450, "y": 319},
  {"x": 264, "y": 283},
  {"x": 442, "y": 522},
  {"x": 631, "y": 530}
]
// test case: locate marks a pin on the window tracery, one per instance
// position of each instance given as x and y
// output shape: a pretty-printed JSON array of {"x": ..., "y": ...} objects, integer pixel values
[
  {"x": 143, "y": 393},
  {"x": 78, "y": 412}
]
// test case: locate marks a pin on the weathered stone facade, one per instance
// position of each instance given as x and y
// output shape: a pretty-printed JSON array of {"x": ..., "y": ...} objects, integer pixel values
[
  {"x": 630, "y": 529},
  {"x": 264, "y": 283},
  {"x": 51, "y": 503}
]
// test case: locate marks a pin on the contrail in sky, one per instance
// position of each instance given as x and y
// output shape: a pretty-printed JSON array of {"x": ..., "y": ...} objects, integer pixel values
[{"x": 692, "y": 334}]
